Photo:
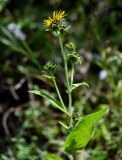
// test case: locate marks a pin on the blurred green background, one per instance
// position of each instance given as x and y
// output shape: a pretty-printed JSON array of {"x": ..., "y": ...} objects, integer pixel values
[{"x": 29, "y": 128}]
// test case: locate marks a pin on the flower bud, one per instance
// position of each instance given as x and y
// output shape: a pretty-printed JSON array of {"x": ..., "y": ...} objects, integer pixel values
[
  {"x": 70, "y": 46},
  {"x": 73, "y": 58},
  {"x": 50, "y": 68}
]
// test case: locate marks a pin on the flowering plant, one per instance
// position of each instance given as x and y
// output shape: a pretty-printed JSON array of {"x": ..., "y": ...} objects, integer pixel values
[{"x": 80, "y": 129}]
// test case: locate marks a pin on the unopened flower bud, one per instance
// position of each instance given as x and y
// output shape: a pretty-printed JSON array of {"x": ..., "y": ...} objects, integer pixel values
[
  {"x": 50, "y": 68},
  {"x": 70, "y": 46},
  {"x": 73, "y": 58}
]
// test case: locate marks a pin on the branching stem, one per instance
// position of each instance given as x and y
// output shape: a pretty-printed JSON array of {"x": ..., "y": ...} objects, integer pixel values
[{"x": 67, "y": 79}]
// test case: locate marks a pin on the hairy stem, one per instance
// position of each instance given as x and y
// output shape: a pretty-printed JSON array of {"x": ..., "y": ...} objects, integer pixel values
[
  {"x": 67, "y": 78},
  {"x": 71, "y": 82},
  {"x": 59, "y": 95},
  {"x": 72, "y": 75},
  {"x": 65, "y": 63}
]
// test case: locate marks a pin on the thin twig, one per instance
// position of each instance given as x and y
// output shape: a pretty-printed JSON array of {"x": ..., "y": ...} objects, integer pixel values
[
  {"x": 8, "y": 113},
  {"x": 30, "y": 86},
  {"x": 4, "y": 119}
]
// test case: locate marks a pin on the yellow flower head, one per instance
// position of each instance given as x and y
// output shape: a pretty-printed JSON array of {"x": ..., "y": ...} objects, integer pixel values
[{"x": 57, "y": 17}]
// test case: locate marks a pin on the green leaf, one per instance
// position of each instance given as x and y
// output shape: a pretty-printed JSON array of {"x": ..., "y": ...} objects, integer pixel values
[
  {"x": 67, "y": 29},
  {"x": 49, "y": 77},
  {"x": 83, "y": 131},
  {"x": 12, "y": 46},
  {"x": 64, "y": 125},
  {"x": 47, "y": 96},
  {"x": 50, "y": 156},
  {"x": 75, "y": 85},
  {"x": 9, "y": 35}
]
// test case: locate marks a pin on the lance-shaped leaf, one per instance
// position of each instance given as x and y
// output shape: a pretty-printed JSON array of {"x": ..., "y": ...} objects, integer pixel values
[
  {"x": 75, "y": 85},
  {"x": 83, "y": 131},
  {"x": 64, "y": 125},
  {"x": 47, "y": 96},
  {"x": 49, "y": 77}
]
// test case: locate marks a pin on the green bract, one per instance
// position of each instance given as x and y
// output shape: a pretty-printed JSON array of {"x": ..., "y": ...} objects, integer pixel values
[
  {"x": 49, "y": 77},
  {"x": 50, "y": 68},
  {"x": 70, "y": 46},
  {"x": 76, "y": 85},
  {"x": 73, "y": 58}
]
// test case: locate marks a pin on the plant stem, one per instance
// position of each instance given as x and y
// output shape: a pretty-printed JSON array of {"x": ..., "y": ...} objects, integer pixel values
[
  {"x": 65, "y": 63},
  {"x": 72, "y": 75},
  {"x": 71, "y": 82},
  {"x": 74, "y": 157},
  {"x": 67, "y": 79},
  {"x": 25, "y": 44},
  {"x": 59, "y": 95}
]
